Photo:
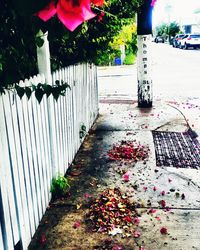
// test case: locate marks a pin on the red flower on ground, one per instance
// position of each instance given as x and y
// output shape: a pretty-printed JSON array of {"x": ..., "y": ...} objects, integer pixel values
[
  {"x": 154, "y": 188},
  {"x": 163, "y": 203},
  {"x": 126, "y": 177},
  {"x": 163, "y": 193},
  {"x": 77, "y": 224},
  {"x": 163, "y": 230},
  {"x": 136, "y": 234}
]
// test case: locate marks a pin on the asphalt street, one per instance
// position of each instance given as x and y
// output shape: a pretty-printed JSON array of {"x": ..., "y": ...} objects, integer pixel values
[{"x": 175, "y": 73}]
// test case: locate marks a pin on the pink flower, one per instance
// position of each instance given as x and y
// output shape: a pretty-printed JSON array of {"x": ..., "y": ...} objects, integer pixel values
[
  {"x": 43, "y": 239},
  {"x": 145, "y": 188},
  {"x": 77, "y": 224},
  {"x": 136, "y": 221},
  {"x": 136, "y": 234},
  {"x": 153, "y": 3},
  {"x": 163, "y": 193},
  {"x": 142, "y": 248},
  {"x": 71, "y": 14},
  {"x": 126, "y": 177},
  {"x": 154, "y": 188},
  {"x": 163, "y": 230},
  {"x": 163, "y": 203},
  {"x": 158, "y": 218},
  {"x": 152, "y": 211}
]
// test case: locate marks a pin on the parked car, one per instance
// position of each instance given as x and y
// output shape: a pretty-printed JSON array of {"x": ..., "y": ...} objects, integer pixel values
[
  {"x": 159, "y": 39},
  {"x": 191, "y": 40},
  {"x": 176, "y": 40}
]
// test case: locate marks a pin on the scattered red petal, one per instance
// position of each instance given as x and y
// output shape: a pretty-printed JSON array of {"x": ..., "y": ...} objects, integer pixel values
[
  {"x": 77, "y": 224},
  {"x": 163, "y": 230},
  {"x": 136, "y": 221},
  {"x": 158, "y": 218},
  {"x": 136, "y": 234},
  {"x": 126, "y": 177},
  {"x": 163, "y": 203},
  {"x": 152, "y": 211},
  {"x": 128, "y": 150},
  {"x": 163, "y": 193},
  {"x": 145, "y": 188},
  {"x": 128, "y": 219}
]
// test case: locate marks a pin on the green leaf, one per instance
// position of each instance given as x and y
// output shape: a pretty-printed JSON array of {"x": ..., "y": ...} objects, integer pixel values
[
  {"x": 55, "y": 93},
  {"x": 20, "y": 91},
  {"x": 47, "y": 89},
  {"x": 28, "y": 92},
  {"x": 39, "y": 94},
  {"x": 57, "y": 82}
]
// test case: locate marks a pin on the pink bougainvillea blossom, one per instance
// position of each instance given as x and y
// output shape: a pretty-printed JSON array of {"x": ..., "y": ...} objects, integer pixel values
[
  {"x": 70, "y": 12},
  {"x": 163, "y": 203},
  {"x": 77, "y": 224},
  {"x": 126, "y": 177},
  {"x": 136, "y": 234},
  {"x": 154, "y": 188},
  {"x": 153, "y": 3},
  {"x": 136, "y": 221},
  {"x": 163, "y": 230},
  {"x": 163, "y": 193}
]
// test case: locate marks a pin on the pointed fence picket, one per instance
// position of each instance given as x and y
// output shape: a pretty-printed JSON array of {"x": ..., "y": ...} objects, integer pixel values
[{"x": 37, "y": 142}]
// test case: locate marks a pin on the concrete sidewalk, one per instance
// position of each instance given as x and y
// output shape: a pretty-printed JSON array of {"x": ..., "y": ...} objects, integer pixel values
[{"x": 64, "y": 225}]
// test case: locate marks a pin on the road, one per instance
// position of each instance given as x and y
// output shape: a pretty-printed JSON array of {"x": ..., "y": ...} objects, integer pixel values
[{"x": 175, "y": 73}]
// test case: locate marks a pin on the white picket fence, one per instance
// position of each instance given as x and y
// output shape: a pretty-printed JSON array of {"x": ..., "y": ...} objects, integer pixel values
[{"x": 38, "y": 141}]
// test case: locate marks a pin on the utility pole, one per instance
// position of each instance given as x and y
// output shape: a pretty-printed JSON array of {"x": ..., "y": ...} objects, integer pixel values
[{"x": 144, "y": 65}]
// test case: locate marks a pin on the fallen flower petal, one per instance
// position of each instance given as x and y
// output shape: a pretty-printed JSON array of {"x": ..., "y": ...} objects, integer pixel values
[
  {"x": 77, "y": 224},
  {"x": 126, "y": 177},
  {"x": 136, "y": 234},
  {"x": 142, "y": 248},
  {"x": 154, "y": 188},
  {"x": 163, "y": 230},
  {"x": 136, "y": 221},
  {"x": 158, "y": 218},
  {"x": 152, "y": 211},
  {"x": 163, "y": 193},
  {"x": 163, "y": 203},
  {"x": 145, "y": 188}
]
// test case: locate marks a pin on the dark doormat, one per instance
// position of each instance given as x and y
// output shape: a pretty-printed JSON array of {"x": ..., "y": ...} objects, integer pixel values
[{"x": 174, "y": 149}]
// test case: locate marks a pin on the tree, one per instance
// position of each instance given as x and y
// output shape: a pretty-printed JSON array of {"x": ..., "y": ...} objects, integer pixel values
[{"x": 167, "y": 29}]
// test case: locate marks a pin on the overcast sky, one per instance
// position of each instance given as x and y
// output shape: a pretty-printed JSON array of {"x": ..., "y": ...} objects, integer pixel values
[{"x": 179, "y": 10}]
